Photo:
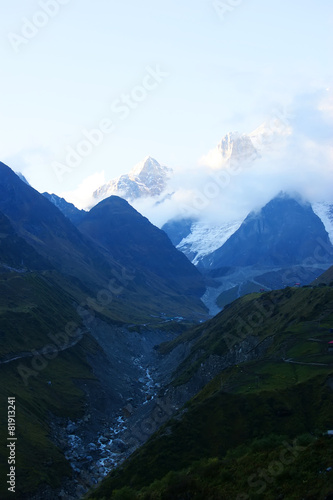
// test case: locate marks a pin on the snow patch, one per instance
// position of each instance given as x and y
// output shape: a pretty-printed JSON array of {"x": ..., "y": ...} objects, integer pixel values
[
  {"x": 205, "y": 239},
  {"x": 324, "y": 210}
]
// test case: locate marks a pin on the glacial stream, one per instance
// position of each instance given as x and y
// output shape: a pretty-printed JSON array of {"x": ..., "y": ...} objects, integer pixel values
[{"x": 92, "y": 461}]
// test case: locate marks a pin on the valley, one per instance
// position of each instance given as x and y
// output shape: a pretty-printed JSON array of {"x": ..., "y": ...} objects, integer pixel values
[
  {"x": 259, "y": 385},
  {"x": 232, "y": 283},
  {"x": 166, "y": 250},
  {"x": 137, "y": 373}
]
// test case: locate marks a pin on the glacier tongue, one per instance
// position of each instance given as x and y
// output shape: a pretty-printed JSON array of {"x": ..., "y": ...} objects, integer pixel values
[
  {"x": 205, "y": 238},
  {"x": 324, "y": 210}
]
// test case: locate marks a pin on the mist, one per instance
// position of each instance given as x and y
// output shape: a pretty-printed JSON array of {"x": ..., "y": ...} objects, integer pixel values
[{"x": 298, "y": 159}]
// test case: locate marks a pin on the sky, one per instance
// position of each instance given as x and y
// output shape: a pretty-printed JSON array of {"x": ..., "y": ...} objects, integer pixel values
[{"x": 89, "y": 88}]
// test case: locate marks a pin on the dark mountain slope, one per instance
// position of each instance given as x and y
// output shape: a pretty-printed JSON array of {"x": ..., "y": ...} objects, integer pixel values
[
  {"x": 68, "y": 209},
  {"x": 226, "y": 427},
  {"x": 35, "y": 315},
  {"x": 49, "y": 232},
  {"x": 177, "y": 229},
  {"x": 250, "y": 412},
  {"x": 254, "y": 319},
  {"x": 326, "y": 278},
  {"x": 15, "y": 252},
  {"x": 131, "y": 295},
  {"x": 285, "y": 232},
  {"x": 136, "y": 243}
]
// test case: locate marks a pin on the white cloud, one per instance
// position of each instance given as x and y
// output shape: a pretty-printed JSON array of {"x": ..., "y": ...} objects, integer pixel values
[
  {"x": 296, "y": 157},
  {"x": 213, "y": 159},
  {"x": 82, "y": 195}
]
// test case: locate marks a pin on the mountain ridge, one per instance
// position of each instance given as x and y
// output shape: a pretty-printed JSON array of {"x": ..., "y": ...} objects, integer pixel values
[
  {"x": 77, "y": 255},
  {"x": 285, "y": 232}
]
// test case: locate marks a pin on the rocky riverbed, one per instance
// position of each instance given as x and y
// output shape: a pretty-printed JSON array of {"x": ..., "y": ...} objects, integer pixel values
[
  {"x": 129, "y": 400},
  {"x": 124, "y": 405}
]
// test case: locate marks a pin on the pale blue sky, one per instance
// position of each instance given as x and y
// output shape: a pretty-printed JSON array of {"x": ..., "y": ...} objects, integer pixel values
[{"x": 224, "y": 73}]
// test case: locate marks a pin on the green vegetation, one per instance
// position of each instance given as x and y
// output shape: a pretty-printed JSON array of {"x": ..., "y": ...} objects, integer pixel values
[
  {"x": 36, "y": 310},
  {"x": 128, "y": 301},
  {"x": 228, "y": 296},
  {"x": 236, "y": 425},
  {"x": 224, "y": 424},
  {"x": 287, "y": 317},
  {"x": 326, "y": 278},
  {"x": 31, "y": 308},
  {"x": 35, "y": 405},
  {"x": 240, "y": 422},
  {"x": 270, "y": 470}
]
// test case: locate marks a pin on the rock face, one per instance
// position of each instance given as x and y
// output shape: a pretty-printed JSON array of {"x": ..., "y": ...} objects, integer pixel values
[
  {"x": 233, "y": 148},
  {"x": 285, "y": 232},
  {"x": 236, "y": 147},
  {"x": 68, "y": 209},
  {"x": 147, "y": 178},
  {"x": 178, "y": 229}
]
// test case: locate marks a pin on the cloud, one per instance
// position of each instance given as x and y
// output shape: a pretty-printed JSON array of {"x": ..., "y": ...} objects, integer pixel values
[
  {"x": 213, "y": 159},
  {"x": 313, "y": 116},
  {"x": 296, "y": 157},
  {"x": 82, "y": 196}
]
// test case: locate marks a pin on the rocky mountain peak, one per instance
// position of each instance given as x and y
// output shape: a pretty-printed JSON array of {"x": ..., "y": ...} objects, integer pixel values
[
  {"x": 236, "y": 147},
  {"x": 148, "y": 164},
  {"x": 150, "y": 173},
  {"x": 147, "y": 178},
  {"x": 284, "y": 232}
]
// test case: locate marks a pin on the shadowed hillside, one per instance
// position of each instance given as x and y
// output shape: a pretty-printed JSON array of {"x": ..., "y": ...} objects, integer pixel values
[{"x": 250, "y": 410}]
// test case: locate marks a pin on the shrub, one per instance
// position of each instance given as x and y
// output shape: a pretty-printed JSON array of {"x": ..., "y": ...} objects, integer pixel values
[{"x": 126, "y": 493}]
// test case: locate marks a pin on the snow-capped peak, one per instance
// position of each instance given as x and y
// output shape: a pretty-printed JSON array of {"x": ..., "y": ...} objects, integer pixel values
[
  {"x": 235, "y": 146},
  {"x": 151, "y": 174},
  {"x": 147, "y": 178},
  {"x": 148, "y": 163}
]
